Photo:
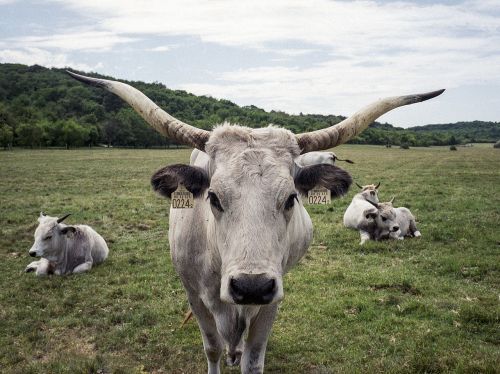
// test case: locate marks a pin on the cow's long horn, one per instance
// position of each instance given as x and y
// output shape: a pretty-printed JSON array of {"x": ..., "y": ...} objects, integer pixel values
[
  {"x": 59, "y": 220},
  {"x": 350, "y": 127},
  {"x": 160, "y": 120},
  {"x": 377, "y": 186}
]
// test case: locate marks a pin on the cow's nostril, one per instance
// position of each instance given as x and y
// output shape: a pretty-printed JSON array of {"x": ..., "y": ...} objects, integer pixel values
[
  {"x": 237, "y": 290},
  {"x": 252, "y": 289},
  {"x": 395, "y": 228},
  {"x": 33, "y": 254}
]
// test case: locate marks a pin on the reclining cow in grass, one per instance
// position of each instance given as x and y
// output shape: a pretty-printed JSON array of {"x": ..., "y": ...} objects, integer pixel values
[
  {"x": 392, "y": 223},
  {"x": 247, "y": 226},
  {"x": 65, "y": 249},
  {"x": 359, "y": 215},
  {"x": 315, "y": 158}
]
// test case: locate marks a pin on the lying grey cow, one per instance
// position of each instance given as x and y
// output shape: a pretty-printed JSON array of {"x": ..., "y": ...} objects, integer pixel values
[
  {"x": 65, "y": 249},
  {"x": 357, "y": 215},
  {"x": 315, "y": 158},
  {"x": 389, "y": 222},
  {"x": 247, "y": 227},
  {"x": 380, "y": 221}
]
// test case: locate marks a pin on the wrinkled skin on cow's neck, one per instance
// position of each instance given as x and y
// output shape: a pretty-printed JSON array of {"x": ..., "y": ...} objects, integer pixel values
[{"x": 251, "y": 170}]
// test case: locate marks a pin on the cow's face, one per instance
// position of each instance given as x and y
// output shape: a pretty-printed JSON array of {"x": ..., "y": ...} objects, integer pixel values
[
  {"x": 370, "y": 193},
  {"x": 49, "y": 237},
  {"x": 385, "y": 219},
  {"x": 253, "y": 194}
]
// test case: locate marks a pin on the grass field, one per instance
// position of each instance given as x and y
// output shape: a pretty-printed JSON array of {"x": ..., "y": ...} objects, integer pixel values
[{"x": 422, "y": 305}]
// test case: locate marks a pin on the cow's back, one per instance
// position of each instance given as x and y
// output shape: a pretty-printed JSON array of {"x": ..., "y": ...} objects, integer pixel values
[
  {"x": 403, "y": 218},
  {"x": 98, "y": 247},
  {"x": 354, "y": 214}
]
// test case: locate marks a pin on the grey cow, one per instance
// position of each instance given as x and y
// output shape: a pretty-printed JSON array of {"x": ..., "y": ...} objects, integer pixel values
[
  {"x": 391, "y": 223},
  {"x": 65, "y": 249},
  {"x": 247, "y": 227}
]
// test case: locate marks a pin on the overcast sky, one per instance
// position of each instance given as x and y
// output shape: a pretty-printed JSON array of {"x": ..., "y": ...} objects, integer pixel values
[{"x": 316, "y": 56}]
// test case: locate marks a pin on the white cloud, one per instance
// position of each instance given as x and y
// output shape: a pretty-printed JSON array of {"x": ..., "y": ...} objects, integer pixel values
[
  {"x": 73, "y": 41},
  {"x": 160, "y": 48},
  {"x": 32, "y": 56}
]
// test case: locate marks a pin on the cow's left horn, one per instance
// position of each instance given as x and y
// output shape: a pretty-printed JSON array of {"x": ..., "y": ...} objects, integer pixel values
[
  {"x": 59, "y": 220},
  {"x": 160, "y": 120},
  {"x": 350, "y": 127}
]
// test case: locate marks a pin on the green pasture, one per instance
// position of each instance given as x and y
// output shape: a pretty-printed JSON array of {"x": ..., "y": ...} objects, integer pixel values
[{"x": 425, "y": 305}]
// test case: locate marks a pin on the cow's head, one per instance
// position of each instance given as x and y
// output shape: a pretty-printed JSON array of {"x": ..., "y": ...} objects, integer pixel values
[
  {"x": 50, "y": 236},
  {"x": 370, "y": 192},
  {"x": 251, "y": 186},
  {"x": 384, "y": 218},
  {"x": 253, "y": 191}
]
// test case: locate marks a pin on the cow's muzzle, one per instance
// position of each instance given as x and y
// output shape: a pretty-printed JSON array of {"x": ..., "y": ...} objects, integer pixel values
[{"x": 257, "y": 289}]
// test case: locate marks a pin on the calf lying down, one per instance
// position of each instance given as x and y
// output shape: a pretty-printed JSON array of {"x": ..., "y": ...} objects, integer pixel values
[
  {"x": 65, "y": 249},
  {"x": 384, "y": 221}
]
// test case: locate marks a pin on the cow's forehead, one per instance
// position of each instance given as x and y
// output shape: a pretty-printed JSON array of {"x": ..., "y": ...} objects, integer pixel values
[
  {"x": 386, "y": 208},
  {"x": 227, "y": 141},
  {"x": 46, "y": 223}
]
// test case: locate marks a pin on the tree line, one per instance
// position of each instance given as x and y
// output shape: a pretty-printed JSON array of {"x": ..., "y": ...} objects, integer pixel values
[{"x": 41, "y": 107}]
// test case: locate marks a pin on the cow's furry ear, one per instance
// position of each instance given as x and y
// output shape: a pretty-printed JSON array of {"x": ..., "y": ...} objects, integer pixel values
[
  {"x": 370, "y": 213},
  {"x": 68, "y": 230},
  {"x": 332, "y": 177},
  {"x": 167, "y": 179}
]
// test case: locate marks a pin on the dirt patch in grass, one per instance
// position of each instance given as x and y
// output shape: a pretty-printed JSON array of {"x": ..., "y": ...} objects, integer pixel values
[{"x": 402, "y": 287}]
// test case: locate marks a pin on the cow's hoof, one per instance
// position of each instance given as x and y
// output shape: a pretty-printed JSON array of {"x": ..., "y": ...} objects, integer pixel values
[
  {"x": 233, "y": 359},
  {"x": 417, "y": 234}
]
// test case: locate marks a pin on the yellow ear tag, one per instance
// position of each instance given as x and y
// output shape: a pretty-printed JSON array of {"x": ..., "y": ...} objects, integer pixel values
[
  {"x": 319, "y": 195},
  {"x": 181, "y": 198}
]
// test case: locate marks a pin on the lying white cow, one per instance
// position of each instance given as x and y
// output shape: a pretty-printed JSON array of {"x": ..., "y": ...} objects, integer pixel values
[
  {"x": 65, "y": 249},
  {"x": 355, "y": 217},
  {"x": 316, "y": 158}
]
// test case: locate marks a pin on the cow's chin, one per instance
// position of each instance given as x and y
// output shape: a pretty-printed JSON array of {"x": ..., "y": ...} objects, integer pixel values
[{"x": 251, "y": 289}]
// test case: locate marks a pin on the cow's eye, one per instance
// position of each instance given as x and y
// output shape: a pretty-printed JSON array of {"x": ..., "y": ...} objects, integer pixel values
[
  {"x": 384, "y": 219},
  {"x": 214, "y": 201},
  {"x": 290, "y": 201},
  {"x": 48, "y": 237},
  {"x": 372, "y": 193}
]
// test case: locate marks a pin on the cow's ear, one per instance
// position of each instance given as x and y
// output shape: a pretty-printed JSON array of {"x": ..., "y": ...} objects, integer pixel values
[
  {"x": 166, "y": 180},
  {"x": 68, "y": 230},
  {"x": 332, "y": 177},
  {"x": 370, "y": 213}
]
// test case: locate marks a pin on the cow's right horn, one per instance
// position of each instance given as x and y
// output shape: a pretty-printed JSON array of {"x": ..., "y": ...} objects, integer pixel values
[
  {"x": 59, "y": 220},
  {"x": 377, "y": 186},
  {"x": 350, "y": 127},
  {"x": 160, "y": 120},
  {"x": 359, "y": 185}
]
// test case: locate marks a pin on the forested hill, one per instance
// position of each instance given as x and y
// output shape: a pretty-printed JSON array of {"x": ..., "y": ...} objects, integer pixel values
[{"x": 46, "y": 107}]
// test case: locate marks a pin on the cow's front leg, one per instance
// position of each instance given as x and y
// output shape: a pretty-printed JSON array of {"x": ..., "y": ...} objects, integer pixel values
[
  {"x": 364, "y": 236},
  {"x": 86, "y": 266},
  {"x": 40, "y": 267},
  {"x": 212, "y": 341},
  {"x": 252, "y": 361}
]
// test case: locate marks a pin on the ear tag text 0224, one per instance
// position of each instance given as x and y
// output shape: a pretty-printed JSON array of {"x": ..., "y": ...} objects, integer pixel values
[
  {"x": 319, "y": 195},
  {"x": 182, "y": 198}
]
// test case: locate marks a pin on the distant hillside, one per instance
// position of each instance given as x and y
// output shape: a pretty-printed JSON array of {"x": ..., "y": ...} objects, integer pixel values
[{"x": 45, "y": 107}]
